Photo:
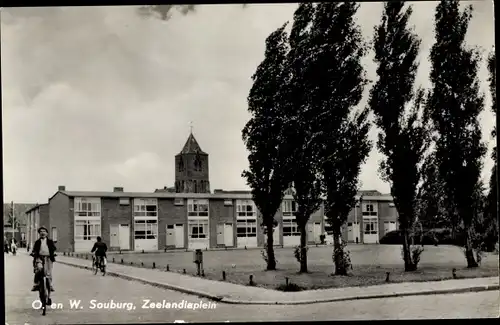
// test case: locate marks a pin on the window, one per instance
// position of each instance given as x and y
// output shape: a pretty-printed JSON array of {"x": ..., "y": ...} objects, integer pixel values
[
  {"x": 146, "y": 229},
  {"x": 198, "y": 208},
  {"x": 87, "y": 207},
  {"x": 145, "y": 208},
  {"x": 87, "y": 229},
  {"x": 369, "y": 209},
  {"x": 371, "y": 226},
  {"x": 197, "y": 163},
  {"x": 246, "y": 228},
  {"x": 246, "y": 208},
  {"x": 54, "y": 234},
  {"x": 290, "y": 227},
  {"x": 180, "y": 166},
  {"x": 289, "y": 207},
  {"x": 389, "y": 226},
  {"x": 198, "y": 229}
]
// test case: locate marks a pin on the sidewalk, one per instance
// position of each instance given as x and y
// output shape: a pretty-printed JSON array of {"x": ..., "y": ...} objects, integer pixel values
[{"x": 237, "y": 294}]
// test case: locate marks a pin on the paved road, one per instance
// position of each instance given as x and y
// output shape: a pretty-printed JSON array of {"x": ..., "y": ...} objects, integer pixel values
[{"x": 77, "y": 284}]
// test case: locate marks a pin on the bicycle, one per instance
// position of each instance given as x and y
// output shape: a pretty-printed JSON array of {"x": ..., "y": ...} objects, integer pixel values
[
  {"x": 44, "y": 288},
  {"x": 98, "y": 264}
]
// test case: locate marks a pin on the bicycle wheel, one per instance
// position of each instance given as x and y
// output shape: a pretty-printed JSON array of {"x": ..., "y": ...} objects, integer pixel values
[{"x": 43, "y": 295}]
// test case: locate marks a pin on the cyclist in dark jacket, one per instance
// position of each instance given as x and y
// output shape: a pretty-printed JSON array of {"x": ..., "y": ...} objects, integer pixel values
[{"x": 100, "y": 248}]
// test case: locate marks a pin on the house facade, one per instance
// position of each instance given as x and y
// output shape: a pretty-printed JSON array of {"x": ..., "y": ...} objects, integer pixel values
[{"x": 191, "y": 217}]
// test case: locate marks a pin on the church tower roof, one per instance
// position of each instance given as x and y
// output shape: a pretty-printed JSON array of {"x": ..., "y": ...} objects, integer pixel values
[{"x": 192, "y": 146}]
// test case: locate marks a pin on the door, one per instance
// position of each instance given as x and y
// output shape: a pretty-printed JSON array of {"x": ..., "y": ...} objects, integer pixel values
[
  {"x": 310, "y": 232},
  {"x": 350, "y": 232},
  {"x": 276, "y": 235},
  {"x": 317, "y": 232},
  {"x": 114, "y": 240},
  {"x": 370, "y": 235},
  {"x": 220, "y": 234},
  {"x": 179, "y": 236},
  {"x": 170, "y": 235},
  {"x": 355, "y": 231},
  {"x": 228, "y": 235},
  {"x": 124, "y": 236}
]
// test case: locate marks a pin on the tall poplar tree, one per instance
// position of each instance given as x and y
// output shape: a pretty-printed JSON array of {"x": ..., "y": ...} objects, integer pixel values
[
  {"x": 269, "y": 155},
  {"x": 396, "y": 106},
  {"x": 454, "y": 106},
  {"x": 338, "y": 81}
]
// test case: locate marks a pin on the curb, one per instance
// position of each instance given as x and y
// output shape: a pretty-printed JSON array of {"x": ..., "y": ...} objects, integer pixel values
[
  {"x": 477, "y": 288},
  {"x": 152, "y": 283}
]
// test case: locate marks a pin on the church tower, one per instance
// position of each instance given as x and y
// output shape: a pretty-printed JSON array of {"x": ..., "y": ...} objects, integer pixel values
[{"x": 191, "y": 169}]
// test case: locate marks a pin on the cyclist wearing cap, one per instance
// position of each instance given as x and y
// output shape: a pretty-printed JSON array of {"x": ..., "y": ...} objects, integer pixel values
[
  {"x": 43, "y": 249},
  {"x": 100, "y": 248}
]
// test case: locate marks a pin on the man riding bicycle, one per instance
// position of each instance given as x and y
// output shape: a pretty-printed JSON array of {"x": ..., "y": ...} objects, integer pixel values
[
  {"x": 43, "y": 250},
  {"x": 100, "y": 248}
]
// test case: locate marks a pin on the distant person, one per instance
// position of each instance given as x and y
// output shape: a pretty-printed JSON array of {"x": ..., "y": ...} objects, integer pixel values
[
  {"x": 13, "y": 247},
  {"x": 100, "y": 248},
  {"x": 43, "y": 249},
  {"x": 6, "y": 247}
]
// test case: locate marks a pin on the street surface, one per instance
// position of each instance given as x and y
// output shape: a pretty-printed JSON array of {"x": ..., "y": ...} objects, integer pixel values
[{"x": 77, "y": 284}]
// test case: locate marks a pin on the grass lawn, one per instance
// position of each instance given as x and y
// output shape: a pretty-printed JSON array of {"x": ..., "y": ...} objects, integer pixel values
[{"x": 370, "y": 264}]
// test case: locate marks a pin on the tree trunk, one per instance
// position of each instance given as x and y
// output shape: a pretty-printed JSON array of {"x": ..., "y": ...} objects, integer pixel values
[
  {"x": 409, "y": 265},
  {"x": 469, "y": 253},
  {"x": 271, "y": 260},
  {"x": 303, "y": 249},
  {"x": 340, "y": 267}
]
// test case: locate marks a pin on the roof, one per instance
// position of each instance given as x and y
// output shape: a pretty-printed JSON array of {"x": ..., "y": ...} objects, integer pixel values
[
  {"x": 36, "y": 206},
  {"x": 167, "y": 195},
  {"x": 192, "y": 146}
]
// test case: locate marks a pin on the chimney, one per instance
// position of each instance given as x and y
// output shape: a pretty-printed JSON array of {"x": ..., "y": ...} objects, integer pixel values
[
  {"x": 118, "y": 189},
  {"x": 62, "y": 188}
]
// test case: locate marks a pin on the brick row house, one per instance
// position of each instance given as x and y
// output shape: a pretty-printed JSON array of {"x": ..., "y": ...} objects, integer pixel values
[{"x": 189, "y": 216}]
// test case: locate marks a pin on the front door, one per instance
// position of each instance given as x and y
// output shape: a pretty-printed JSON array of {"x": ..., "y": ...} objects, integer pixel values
[
  {"x": 114, "y": 240},
  {"x": 370, "y": 235},
  {"x": 317, "y": 232},
  {"x": 170, "y": 235},
  {"x": 124, "y": 236},
  {"x": 228, "y": 235},
  {"x": 179, "y": 236},
  {"x": 220, "y": 234}
]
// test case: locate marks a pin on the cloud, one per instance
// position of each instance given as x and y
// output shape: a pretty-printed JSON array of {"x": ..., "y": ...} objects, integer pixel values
[{"x": 97, "y": 97}]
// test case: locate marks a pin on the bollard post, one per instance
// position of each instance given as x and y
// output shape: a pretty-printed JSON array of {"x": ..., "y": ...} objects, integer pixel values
[
  {"x": 131, "y": 263},
  {"x": 202, "y": 272},
  {"x": 250, "y": 282},
  {"x": 165, "y": 250},
  {"x": 387, "y": 274},
  {"x": 154, "y": 265},
  {"x": 113, "y": 259},
  {"x": 86, "y": 257},
  {"x": 225, "y": 248},
  {"x": 223, "y": 275},
  {"x": 454, "y": 273},
  {"x": 143, "y": 251},
  {"x": 142, "y": 263},
  {"x": 316, "y": 245},
  {"x": 286, "y": 281},
  {"x": 64, "y": 253},
  {"x": 168, "y": 267},
  {"x": 122, "y": 261},
  {"x": 184, "y": 271},
  {"x": 120, "y": 251},
  {"x": 245, "y": 247}
]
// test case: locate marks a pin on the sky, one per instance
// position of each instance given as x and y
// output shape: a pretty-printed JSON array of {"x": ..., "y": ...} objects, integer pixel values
[{"x": 99, "y": 97}]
